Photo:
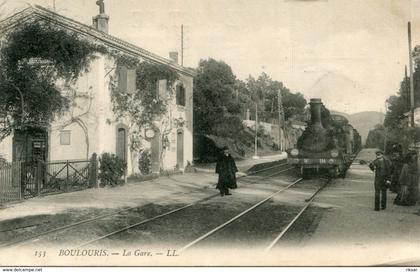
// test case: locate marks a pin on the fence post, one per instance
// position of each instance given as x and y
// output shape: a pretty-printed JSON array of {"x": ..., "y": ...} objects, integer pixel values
[
  {"x": 23, "y": 170},
  {"x": 17, "y": 176},
  {"x": 93, "y": 171},
  {"x": 38, "y": 177},
  {"x": 67, "y": 176}
]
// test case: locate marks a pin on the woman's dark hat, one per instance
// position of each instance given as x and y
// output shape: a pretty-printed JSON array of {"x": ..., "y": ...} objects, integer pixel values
[{"x": 225, "y": 148}]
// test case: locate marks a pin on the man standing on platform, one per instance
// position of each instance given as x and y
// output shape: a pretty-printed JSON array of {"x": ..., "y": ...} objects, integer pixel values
[
  {"x": 383, "y": 169},
  {"x": 397, "y": 164},
  {"x": 226, "y": 168}
]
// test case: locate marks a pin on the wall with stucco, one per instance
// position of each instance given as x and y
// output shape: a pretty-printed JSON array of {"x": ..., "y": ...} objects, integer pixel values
[{"x": 93, "y": 125}]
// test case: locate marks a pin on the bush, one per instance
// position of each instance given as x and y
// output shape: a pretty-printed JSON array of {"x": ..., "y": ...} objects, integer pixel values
[
  {"x": 145, "y": 162},
  {"x": 111, "y": 169},
  {"x": 4, "y": 163}
]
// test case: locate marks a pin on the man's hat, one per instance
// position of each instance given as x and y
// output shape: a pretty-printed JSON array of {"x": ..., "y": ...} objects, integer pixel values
[{"x": 379, "y": 152}]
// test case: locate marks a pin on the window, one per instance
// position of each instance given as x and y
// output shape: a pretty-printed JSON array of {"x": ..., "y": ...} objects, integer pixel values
[
  {"x": 126, "y": 79},
  {"x": 121, "y": 150},
  {"x": 65, "y": 137},
  {"x": 161, "y": 89},
  {"x": 180, "y": 95}
]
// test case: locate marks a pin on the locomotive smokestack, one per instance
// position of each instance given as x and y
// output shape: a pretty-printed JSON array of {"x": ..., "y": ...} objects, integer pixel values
[{"x": 316, "y": 112}]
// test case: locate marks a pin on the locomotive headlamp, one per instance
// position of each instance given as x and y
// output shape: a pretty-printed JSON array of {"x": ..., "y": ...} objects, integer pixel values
[
  {"x": 334, "y": 153},
  {"x": 294, "y": 152}
]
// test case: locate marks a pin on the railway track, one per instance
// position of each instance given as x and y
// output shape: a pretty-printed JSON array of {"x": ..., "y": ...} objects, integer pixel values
[
  {"x": 253, "y": 209},
  {"x": 224, "y": 224},
  {"x": 37, "y": 237}
]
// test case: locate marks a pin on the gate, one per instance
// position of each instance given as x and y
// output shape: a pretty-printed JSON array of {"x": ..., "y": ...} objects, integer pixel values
[
  {"x": 26, "y": 179},
  {"x": 41, "y": 177},
  {"x": 10, "y": 182}
]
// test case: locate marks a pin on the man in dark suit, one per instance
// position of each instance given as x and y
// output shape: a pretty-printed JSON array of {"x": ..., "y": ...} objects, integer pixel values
[
  {"x": 226, "y": 168},
  {"x": 383, "y": 169}
]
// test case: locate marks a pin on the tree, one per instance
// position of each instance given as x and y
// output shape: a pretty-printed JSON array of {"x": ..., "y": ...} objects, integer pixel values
[
  {"x": 395, "y": 121},
  {"x": 264, "y": 91},
  {"x": 400, "y": 104},
  {"x": 33, "y": 58},
  {"x": 376, "y": 137},
  {"x": 215, "y": 100}
]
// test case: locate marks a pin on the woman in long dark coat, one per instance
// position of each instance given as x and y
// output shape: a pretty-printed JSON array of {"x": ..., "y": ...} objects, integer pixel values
[
  {"x": 226, "y": 168},
  {"x": 407, "y": 196}
]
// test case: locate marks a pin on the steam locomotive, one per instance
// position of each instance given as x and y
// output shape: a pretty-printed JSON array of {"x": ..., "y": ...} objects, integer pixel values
[{"x": 327, "y": 146}]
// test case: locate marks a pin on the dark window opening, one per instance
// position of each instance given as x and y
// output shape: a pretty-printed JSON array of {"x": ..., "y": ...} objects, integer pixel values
[{"x": 180, "y": 95}]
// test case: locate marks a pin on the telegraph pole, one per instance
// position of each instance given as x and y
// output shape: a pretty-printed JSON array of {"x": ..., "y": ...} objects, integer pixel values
[
  {"x": 256, "y": 132},
  {"x": 182, "y": 45},
  {"x": 406, "y": 86},
  {"x": 281, "y": 119},
  {"x": 411, "y": 75}
]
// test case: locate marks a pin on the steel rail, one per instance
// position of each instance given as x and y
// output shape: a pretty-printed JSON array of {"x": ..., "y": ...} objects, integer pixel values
[
  {"x": 164, "y": 214},
  {"x": 283, "y": 232},
  {"x": 75, "y": 224},
  {"x": 265, "y": 169},
  {"x": 237, "y": 216}
]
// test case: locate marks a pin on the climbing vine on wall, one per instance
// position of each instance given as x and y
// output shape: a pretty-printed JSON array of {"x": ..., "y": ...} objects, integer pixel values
[
  {"x": 33, "y": 57},
  {"x": 143, "y": 108}
]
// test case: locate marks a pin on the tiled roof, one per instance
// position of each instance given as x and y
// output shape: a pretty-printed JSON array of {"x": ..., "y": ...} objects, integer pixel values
[{"x": 42, "y": 13}]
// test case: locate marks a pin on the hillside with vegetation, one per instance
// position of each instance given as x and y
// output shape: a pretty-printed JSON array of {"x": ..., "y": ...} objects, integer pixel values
[
  {"x": 220, "y": 105},
  {"x": 364, "y": 121}
]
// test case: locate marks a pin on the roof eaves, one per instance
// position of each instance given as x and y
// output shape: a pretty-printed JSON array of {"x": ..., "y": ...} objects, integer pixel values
[{"x": 110, "y": 40}]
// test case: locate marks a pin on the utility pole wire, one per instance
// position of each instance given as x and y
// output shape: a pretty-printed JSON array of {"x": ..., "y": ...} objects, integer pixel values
[
  {"x": 411, "y": 75},
  {"x": 182, "y": 45}
]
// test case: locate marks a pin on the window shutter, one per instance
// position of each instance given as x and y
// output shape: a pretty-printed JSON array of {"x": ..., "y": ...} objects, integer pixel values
[
  {"x": 122, "y": 79},
  {"x": 131, "y": 81},
  {"x": 183, "y": 96},
  {"x": 162, "y": 89},
  {"x": 178, "y": 95}
]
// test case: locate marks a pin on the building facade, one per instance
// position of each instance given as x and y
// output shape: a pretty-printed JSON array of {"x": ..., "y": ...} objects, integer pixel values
[{"x": 90, "y": 126}]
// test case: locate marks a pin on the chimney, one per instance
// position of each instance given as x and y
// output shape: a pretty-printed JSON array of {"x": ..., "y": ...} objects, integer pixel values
[
  {"x": 174, "y": 56},
  {"x": 316, "y": 112},
  {"x": 100, "y": 21}
]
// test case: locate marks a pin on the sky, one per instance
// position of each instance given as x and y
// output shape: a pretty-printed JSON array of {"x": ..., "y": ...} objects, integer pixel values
[{"x": 351, "y": 54}]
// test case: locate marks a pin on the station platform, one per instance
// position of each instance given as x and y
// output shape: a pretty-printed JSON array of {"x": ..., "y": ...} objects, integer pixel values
[
  {"x": 245, "y": 164},
  {"x": 350, "y": 232},
  {"x": 174, "y": 189}
]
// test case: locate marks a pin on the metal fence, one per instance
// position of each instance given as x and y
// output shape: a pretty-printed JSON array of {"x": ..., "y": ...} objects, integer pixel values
[
  {"x": 29, "y": 179},
  {"x": 10, "y": 182}
]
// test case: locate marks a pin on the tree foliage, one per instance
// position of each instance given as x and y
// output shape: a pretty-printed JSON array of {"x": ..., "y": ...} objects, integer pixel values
[
  {"x": 215, "y": 103},
  {"x": 111, "y": 169},
  {"x": 143, "y": 107},
  {"x": 220, "y": 102},
  {"x": 264, "y": 92},
  {"x": 397, "y": 130},
  {"x": 33, "y": 57},
  {"x": 399, "y": 104},
  {"x": 376, "y": 137}
]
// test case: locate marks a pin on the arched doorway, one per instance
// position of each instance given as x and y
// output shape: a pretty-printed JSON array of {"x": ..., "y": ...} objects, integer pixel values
[
  {"x": 121, "y": 144},
  {"x": 180, "y": 149}
]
